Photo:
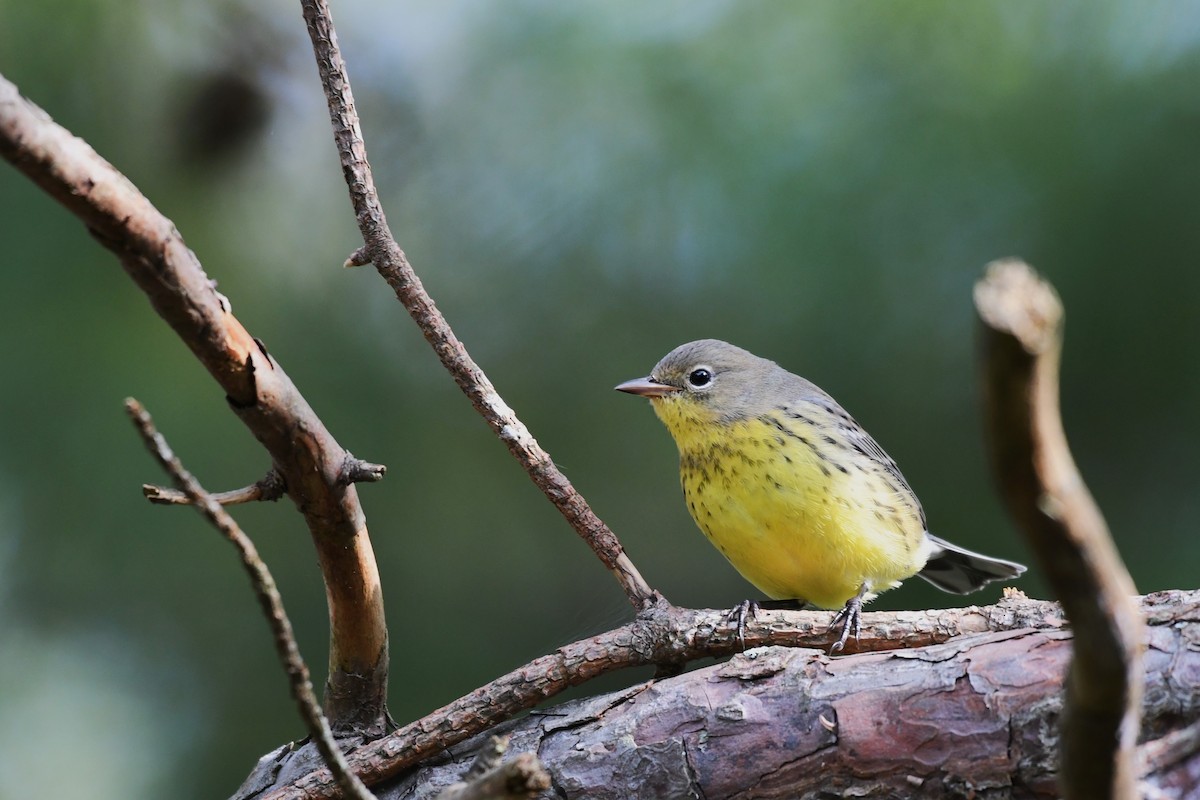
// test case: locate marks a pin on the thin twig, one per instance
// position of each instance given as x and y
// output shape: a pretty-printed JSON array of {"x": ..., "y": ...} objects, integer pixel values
[
  {"x": 1023, "y": 318},
  {"x": 268, "y": 489},
  {"x": 257, "y": 388},
  {"x": 268, "y": 598},
  {"x": 380, "y": 248},
  {"x": 663, "y": 634}
]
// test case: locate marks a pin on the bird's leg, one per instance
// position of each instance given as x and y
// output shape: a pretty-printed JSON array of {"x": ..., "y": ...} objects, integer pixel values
[
  {"x": 748, "y": 609},
  {"x": 850, "y": 618}
]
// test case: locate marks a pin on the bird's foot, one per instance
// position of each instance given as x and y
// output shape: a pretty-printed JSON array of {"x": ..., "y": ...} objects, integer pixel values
[
  {"x": 747, "y": 609},
  {"x": 850, "y": 619}
]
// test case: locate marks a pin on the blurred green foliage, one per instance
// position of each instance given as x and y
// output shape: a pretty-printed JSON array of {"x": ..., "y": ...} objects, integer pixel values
[{"x": 581, "y": 187}]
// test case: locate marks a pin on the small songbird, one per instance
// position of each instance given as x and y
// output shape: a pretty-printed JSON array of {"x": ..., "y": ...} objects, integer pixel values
[{"x": 799, "y": 498}]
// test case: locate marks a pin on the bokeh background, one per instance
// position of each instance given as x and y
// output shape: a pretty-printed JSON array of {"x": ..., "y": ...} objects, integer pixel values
[{"x": 581, "y": 187}]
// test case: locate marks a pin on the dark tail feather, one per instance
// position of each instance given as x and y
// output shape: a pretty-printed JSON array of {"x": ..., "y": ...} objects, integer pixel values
[{"x": 959, "y": 571}]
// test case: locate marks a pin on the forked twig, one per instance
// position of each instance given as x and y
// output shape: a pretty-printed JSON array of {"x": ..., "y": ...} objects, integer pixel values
[
  {"x": 268, "y": 597},
  {"x": 259, "y": 391}
]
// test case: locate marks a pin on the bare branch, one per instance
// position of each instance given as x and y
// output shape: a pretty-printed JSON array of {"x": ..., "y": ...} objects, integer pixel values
[
  {"x": 268, "y": 597},
  {"x": 257, "y": 389},
  {"x": 380, "y": 248},
  {"x": 664, "y": 634},
  {"x": 1023, "y": 318},
  {"x": 268, "y": 489}
]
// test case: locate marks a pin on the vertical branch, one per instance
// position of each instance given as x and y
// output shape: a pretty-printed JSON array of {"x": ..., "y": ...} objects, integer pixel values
[
  {"x": 1022, "y": 344},
  {"x": 380, "y": 248}
]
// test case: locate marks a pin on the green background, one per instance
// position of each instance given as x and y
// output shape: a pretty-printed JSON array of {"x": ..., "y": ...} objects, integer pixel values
[{"x": 581, "y": 187}]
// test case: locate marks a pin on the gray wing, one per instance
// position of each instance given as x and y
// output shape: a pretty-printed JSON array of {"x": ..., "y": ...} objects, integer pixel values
[{"x": 857, "y": 438}]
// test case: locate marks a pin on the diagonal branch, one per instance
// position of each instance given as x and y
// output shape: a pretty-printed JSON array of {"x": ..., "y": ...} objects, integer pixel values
[
  {"x": 268, "y": 597},
  {"x": 381, "y": 249},
  {"x": 1023, "y": 318},
  {"x": 302, "y": 450}
]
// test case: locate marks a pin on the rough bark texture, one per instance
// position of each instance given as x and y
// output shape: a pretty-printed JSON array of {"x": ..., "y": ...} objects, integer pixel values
[
  {"x": 976, "y": 717},
  {"x": 976, "y": 712}
]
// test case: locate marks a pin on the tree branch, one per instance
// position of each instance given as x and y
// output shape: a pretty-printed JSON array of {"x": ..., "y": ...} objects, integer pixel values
[
  {"x": 258, "y": 390},
  {"x": 1022, "y": 345},
  {"x": 974, "y": 717},
  {"x": 268, "y": 597},
  {"x": 381, "y": 249},
  {"x": 267, "y": 489},
  {"x": 664, "y": 634},
  {"x": 976, "y": 707}
]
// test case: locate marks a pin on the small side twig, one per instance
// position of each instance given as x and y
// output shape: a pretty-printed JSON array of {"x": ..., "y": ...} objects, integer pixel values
[
  {"x": 380, "y": 248},
  {"x": 268, "y": 597},
  {"x": 1044, "y": 491},
  {"x": 355, "y": 470},
  {"x": 268, "y": 489},
  {"x": 519, "y": 779}
]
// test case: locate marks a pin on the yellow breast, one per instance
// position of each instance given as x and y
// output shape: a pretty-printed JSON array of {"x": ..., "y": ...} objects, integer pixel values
[{"x": 794, "y": 507}]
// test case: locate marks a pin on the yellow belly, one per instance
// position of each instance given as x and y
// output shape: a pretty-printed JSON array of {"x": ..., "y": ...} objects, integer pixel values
[{"x": 800, "y": 522}]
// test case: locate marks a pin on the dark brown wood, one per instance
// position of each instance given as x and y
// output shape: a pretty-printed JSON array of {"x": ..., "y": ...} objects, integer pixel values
[
  {"x": 258, "y": 390},
  {"x": 1044, "y": 492}
]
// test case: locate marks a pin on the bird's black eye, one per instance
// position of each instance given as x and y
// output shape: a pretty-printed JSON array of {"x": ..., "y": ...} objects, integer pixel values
[{"x": 700, "y": 377}]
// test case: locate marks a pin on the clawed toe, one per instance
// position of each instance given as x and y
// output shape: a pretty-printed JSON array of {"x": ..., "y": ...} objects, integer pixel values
[
  {"x": 850, "y": 619},
  {"x": 747, "y": 609}
]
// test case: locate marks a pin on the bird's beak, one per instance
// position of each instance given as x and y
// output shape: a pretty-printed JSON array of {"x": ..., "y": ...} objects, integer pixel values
[{"x": 646, "y": 387}]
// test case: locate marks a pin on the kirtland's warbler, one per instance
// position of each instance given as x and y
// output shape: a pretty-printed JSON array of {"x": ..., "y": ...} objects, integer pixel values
[{"x": 799, "y": 498}]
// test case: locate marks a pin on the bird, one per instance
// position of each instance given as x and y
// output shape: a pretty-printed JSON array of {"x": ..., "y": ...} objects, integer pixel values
[{"x": 796, "y": 495}]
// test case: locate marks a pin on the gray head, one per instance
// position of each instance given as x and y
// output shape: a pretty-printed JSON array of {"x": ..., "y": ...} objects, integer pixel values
[{"x": 727, "y": 381}]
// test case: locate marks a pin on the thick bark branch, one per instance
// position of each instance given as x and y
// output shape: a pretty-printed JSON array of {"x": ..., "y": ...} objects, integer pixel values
[
  {"x": 381, "y": 249},
  {"x": 977, "y": 712},
  {"x": 1045, "y": 493},
  {"x": 259, "y": 391},
  {"x": 662, "y": 635}
]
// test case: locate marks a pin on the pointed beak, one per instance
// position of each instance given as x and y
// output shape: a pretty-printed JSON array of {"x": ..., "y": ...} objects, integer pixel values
[{"x": 646, "y": 387}]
